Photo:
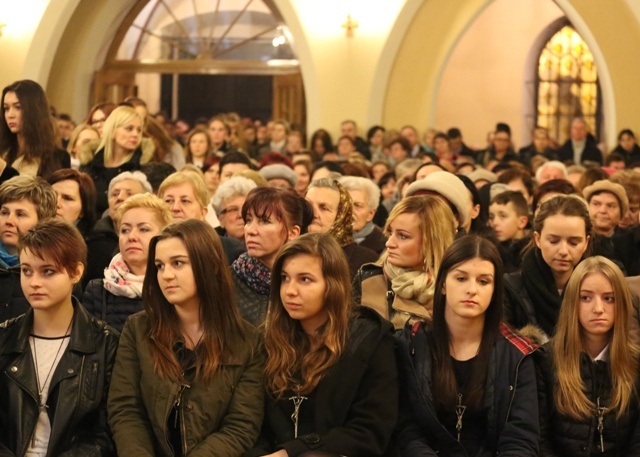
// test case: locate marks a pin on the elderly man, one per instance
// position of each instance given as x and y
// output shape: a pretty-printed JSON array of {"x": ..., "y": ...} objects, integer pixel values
[
  {"x": 365, "y": 196},
  {"x": 102, "y": 242},
  {"x": 581, "y": 146}
]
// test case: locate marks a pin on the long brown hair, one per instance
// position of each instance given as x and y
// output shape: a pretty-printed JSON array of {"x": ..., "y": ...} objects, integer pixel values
[
  {"x": 444, "y": 381},
  {"x": 566, "y": 346},
  {"x": 291, "y": 361},
  {"x": 223, "y": 328},
  {"x": 37, "y": 128}
]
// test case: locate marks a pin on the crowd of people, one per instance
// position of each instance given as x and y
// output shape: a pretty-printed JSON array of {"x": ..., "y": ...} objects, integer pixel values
[{"x": 225, "y": 289}]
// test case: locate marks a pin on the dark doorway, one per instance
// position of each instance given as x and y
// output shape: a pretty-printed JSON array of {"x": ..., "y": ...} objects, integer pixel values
[{"x": 208, "y": 95}]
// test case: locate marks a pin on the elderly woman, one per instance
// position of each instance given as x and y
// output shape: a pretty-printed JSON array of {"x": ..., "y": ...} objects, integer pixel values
[
  {"x": 227, "y": 203},
  {"x": 103, "y": 239},
  {"x": 365, "y": 196},
  {"x": 119, "y": 293},
  {"x": 333, "y": 214},
  {"x": 272, "y": 217},
  {"x": 119, "y": 150}
]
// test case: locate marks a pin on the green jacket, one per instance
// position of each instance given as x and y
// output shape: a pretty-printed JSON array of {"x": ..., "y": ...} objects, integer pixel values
[{"x": 222, "y": 418}]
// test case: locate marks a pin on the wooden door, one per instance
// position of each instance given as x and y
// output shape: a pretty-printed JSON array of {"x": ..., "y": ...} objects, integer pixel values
[
  {"x": 113, "y": 86},
  {"x": 288, "y": 100}
]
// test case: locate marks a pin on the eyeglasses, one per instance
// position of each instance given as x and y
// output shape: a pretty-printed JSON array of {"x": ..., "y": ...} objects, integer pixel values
[
  {"x": 98, "y": 121},
  {"x": 232, "y": 210}
]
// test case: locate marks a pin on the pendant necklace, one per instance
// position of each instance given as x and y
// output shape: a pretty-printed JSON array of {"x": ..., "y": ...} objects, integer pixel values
[
  {"x": 297, "y": 402},
  {"x": 460, "y": 409},
  {"x": 43, "y": 406}
]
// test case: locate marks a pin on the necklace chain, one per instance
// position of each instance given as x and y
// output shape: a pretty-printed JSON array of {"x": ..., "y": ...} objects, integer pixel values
[{"x": 35, "y": 359}]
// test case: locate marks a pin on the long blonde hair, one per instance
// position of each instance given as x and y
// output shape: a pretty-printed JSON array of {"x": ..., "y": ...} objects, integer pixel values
[
  {"x": 292, "y": 364},
  {"x": 567, "y": 347},
  {"x": 118, "y": 117},
  {"x": 436, "y": 224}
]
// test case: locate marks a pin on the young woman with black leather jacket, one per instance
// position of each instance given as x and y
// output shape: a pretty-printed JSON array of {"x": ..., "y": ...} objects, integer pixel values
[{"x": 56, "y": 360}]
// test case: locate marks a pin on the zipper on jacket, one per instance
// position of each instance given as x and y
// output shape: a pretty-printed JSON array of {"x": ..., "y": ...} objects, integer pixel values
[
  {"x": 600, "y": 413},
  {"x": 515, "y": 384},
  {"x": 180, "y": 411}
]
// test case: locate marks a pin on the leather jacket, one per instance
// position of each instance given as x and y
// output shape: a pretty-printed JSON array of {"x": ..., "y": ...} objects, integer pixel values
[{"x": 77, "y": 395}]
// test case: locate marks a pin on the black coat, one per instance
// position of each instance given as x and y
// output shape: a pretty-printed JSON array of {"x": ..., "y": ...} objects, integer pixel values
[
  {"x": 590, "y": 152},
  {"x": 510, "y": 400},
  {"x": 77, "y": 395},
  {"x": 60, "y": 159},
  {"x": 626, "y": 249},
  {"x": 102, "y": 175},
  {"x": 356, "y": 402},
  {"x": 107, "y": 307},
  {"x": 357, "y": 256},
  {"x": 102, "y": 245},
  {"x": 376, "y": 241},
  {"x": 13, "y": 303},
  {"x": 565, "y": 436}
]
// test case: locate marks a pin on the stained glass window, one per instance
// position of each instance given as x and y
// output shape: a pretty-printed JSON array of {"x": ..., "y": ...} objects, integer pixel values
[{"x": 567, "y": 85}]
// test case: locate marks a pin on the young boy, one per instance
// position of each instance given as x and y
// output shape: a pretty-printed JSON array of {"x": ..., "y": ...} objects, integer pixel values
[
  {"x": 508, "y": 217},
  {"x": 24, "y": 200}
]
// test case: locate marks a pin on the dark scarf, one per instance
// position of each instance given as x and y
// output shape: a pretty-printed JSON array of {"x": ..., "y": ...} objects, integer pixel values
[
  {"x": 541, "y": 286},
  {"x": 253, "y": 273}
]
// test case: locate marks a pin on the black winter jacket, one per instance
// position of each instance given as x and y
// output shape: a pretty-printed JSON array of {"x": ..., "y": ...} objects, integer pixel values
[
  {"x": 102, "y": 175},
  {"x": 356, "y": 402},
  {"x": 510, "y": 399},
  {"x": 77, "y": 396},
  {"x": 102, "y": 245},
  {"x": 565, "y": 436},
  {"x": 13, "y": 303},
  {"x": 108, "y": 307}
]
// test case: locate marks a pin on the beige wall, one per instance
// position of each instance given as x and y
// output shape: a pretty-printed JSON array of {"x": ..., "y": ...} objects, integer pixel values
[
  {"x": 414, "y": 90},
  {"x": 479, "y": 88}
]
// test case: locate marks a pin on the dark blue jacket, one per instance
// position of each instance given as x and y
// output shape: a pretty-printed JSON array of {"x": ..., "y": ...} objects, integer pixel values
[{"x": 510, "y": 400}]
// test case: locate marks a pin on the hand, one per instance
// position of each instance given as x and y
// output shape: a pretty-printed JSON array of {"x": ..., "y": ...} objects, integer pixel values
[{"x": 280, "y": 453}]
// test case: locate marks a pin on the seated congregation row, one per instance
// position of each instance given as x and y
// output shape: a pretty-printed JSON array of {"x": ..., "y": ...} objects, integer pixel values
[
  {"x": 189, "y": 376},
  {"x": 190, "y": 379}
]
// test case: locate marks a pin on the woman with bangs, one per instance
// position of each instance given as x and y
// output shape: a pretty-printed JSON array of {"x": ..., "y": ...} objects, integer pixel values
[
  {"x": 400, "y": 285},
  {"x": 272, "y": 217},
  {"x": 588, "y": 373},
  {"x": 188, "y": 373},
  {"x": 56, "y": 359},
  {"x": 330, "y": 373}
]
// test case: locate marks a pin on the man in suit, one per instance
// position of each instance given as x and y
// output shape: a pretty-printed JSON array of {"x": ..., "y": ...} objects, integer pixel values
[{"x": 581, "y": 146}]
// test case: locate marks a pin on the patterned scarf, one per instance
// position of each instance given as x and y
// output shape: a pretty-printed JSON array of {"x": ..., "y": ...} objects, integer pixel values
[
  {"x": 253, "y": 272},
  {"x": 119, "y": 280},
  {"x": 410, "y": 284},
  {"x": 342, "y": 227}
]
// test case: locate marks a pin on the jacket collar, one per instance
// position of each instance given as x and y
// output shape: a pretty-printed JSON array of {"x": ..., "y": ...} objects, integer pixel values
[{"x": 81, "y": 340}]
